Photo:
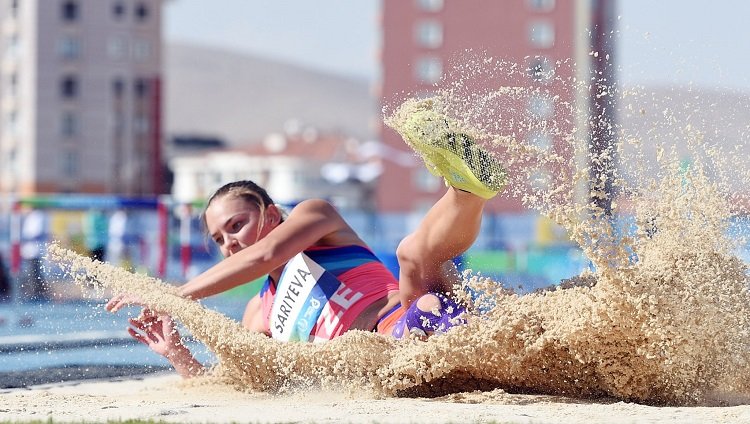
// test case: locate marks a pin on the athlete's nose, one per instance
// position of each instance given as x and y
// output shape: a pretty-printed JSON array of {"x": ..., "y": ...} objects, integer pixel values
[{"x": 231, "y": 247}]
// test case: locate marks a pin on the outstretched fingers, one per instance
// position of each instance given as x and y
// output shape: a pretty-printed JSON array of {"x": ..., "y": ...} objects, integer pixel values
[
  {"x": 122, "y": 300},
  {"x": 138, "y": 336},
  {"x": 157, "y": 331},
  {"x": 143, "y": 330}
]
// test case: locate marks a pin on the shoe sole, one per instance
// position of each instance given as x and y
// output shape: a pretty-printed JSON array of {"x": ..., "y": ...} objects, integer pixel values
[{"x": 454, "y": 155}]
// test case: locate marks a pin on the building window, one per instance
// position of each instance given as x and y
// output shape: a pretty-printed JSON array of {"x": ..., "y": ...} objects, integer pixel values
[
  {"x": 118, "y": 88},
  {"x": 10, "y": 164},
  {"x": 429, "y": 33},
  {"x": 118, "y": 10},
  {"x": 11, "y": 123},
  {"x": 13, "y": 84},
  {"x": 541, "y": 106},
  {"x": 430, "y": 5},
  {"x": 540, "y": 69},
  {"x": 541, "y": 5},
  {"x": 118, "y": 125},
  {"x": 429, "y": 69},
  {"x": 117, "y": 48},
  {"x": 14, "y": 46},
  {"x": 70, "y": 164},
  {"x": 69, "y": 48},
  {"x": 541, "y": 180},
  {"x": 69, "y": 124},
  {"x": 69, "y": 87},
  {"x": 141, "y": 125},
  {"x": 141, "y": 49},
  {"x": 70, "y": 11},
  {"x": 141, "y": 88},
  {"x": 540, "y": 139},
  {"x": 542, "y": 34},
  {"x": 141, "y": 12}
]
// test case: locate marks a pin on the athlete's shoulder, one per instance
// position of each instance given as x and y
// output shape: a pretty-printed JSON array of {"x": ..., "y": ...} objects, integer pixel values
[
  {"x": 317, "y": 222},
  {"x": 315, "y": 206}
]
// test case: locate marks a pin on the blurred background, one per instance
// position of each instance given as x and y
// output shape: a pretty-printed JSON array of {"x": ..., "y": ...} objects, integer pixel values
[{"x": 118, "y": 118}]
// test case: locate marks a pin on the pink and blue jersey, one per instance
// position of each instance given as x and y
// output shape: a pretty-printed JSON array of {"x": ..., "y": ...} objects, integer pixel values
[{"x": 322, "y": 291}]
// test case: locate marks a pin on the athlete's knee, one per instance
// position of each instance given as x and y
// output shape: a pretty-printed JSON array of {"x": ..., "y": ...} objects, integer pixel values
[
  {"x": 407, "y": 252},
  {"x": 432, "y": 312},
  {"x": 429, "y": 303}
]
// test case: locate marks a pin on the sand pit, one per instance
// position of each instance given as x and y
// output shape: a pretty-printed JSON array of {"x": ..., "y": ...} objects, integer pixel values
[
  {"x": 660, "y": 319},
  {"x": 165, "y": 398}
]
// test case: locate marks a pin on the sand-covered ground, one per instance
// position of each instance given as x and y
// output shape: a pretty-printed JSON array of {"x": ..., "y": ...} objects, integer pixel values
[{"x": 165, "y": 397}]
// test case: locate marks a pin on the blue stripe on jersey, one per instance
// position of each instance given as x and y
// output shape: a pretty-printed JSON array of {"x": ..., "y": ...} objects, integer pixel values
[
  {"x": 266, "y": 286},
  {"x": 338, "y": 260}
]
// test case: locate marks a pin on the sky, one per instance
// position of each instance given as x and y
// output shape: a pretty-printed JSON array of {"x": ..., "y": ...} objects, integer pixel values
[
  {"x": 305, "y": 32},
  {"x": 703, "y": 42},
  {"x": 699, "y": 42}
]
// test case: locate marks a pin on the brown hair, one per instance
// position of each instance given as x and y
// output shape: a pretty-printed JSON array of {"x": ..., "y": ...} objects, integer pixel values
[{"x": 245, "y": 190}]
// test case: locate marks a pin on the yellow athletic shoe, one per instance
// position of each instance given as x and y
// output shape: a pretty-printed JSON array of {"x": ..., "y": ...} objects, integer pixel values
[{"x": 449, "y": 152}]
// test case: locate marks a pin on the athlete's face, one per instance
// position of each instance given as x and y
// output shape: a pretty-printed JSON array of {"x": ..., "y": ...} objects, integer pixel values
[{"x": 233, "y": 224}]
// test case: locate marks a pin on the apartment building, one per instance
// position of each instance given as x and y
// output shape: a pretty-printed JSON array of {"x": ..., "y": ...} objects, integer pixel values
[
  {"x": 80, "y": 96},
  {"x": 421, "y": 39}
]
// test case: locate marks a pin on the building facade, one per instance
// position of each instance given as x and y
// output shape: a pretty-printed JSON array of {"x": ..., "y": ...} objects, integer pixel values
[
  {"x": 421, "y": 38},
  {"x": 291, "y": 167},
  {"x": 80, "y": 97}
]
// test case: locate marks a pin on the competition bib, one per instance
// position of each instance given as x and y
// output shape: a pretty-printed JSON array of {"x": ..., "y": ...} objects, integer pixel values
[{"x": 303, "y": 291}]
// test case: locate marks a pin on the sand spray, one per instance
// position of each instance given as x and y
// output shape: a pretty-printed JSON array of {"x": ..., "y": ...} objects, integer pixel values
[{"x": 661, "y": 316}]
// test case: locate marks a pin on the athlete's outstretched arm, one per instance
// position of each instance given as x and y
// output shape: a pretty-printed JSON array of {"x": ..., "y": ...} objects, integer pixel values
[{"x": 307, "y": 224}]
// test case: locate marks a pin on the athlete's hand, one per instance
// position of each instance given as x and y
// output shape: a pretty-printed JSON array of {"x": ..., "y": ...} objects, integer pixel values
[
  {"x": 122, "y": 300},
  {"x": 157, "y": 331}
]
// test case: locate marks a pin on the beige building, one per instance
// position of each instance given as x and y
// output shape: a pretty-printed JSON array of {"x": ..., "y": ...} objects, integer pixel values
[
  {"x": 80, "y": 87},
  {"x": 291, "y": 167}
]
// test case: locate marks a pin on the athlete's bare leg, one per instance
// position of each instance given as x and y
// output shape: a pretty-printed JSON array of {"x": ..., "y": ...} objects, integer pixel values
[{"x": 425, "y": 256}]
